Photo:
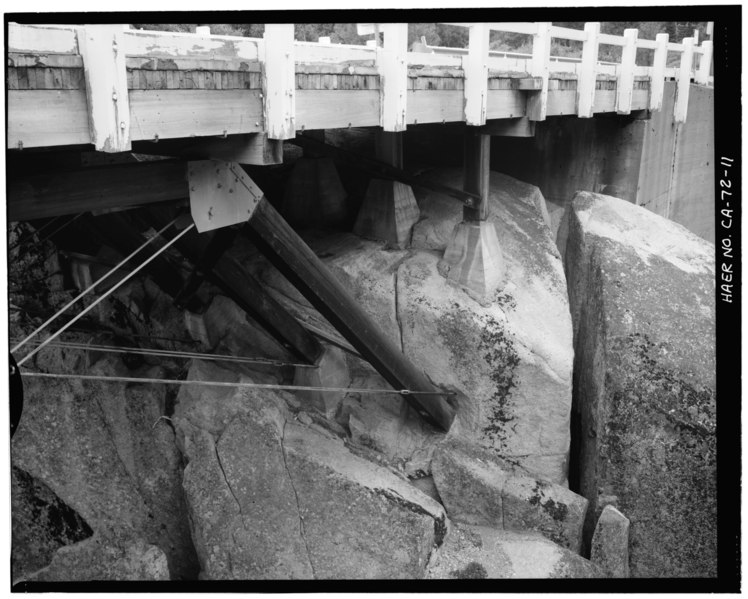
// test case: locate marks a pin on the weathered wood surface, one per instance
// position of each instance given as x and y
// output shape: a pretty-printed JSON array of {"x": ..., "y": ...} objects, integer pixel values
[
  {"x": 242, "y": 288},
  {"x": 298, "y": 263},
  {"x": 71, "y": 192}
]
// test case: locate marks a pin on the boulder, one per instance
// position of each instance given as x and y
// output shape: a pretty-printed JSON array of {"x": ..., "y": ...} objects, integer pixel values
[
  {"x": 510, "y": 360},
  {"x": 610, "y": 543},
  {"x": 113, "y": 556},
  {"x": 102, "y": 449},
  {"x": 478, "y": 488},
  {"x": 41, "y": 524},
  {"x": 273, "y": 498},
  {"x": 642, "y": 298},
  {"x": 483, "y": 552}
]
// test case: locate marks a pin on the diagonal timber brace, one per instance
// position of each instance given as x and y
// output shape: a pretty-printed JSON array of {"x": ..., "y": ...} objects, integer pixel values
[{"x": 298, "y": 263}]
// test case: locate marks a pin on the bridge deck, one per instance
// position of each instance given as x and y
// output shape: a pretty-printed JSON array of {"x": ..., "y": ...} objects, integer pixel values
[{"x": 187, "y": 85}]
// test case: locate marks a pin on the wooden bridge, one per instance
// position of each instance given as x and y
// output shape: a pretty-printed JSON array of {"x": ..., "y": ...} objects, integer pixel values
[
  {"x": 214, "y": 103},
  {"x": 109, "y": 86}
]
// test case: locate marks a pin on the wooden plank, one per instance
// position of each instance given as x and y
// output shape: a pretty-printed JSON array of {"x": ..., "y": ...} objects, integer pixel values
[
  {"x": 317, "y": 109},
  {"x": 289, "y": 254},
  {"x": 640, "y": 99},
  {"x": 185, "y": 113},
  {"x": 684, "y": 81},
  {"x": 389, "y": 148},
  {"x": 605, "y": 100},
  {"x": 248, "y": 148},
  {"x": 157, "y": 44},
  {"x": 279, "y": 81},
  {"x": 562, "y": 102},
  {"x": 705, "y": 63},
  {"x": 308, "y": 52},
  {"x": 517, "y": 127},
  {"x": 476, "y": 75},
  {"x": 659, "y": 63},
  {"x": 47, "y": 118},
  {"x": 433, "y": 60},
  {"x": 71, "y": 192},
  {"x": 476, "y": 169},
  {"x": 435, "y": 106},
  {"x": 612, "y": 40},
  {"x": 106, "y": 87},
  {"x": 625, "y": 85},
  {"x": 64, "y": 61},
  {"x": 393, "y": 72},
  {"x": 588, "y": 75},
  {"x": 247, "y": 293},
  {"x": 539, "y": 67},
  {"x": 42, "y": 39},
  {"x": 506, "y": 104}
]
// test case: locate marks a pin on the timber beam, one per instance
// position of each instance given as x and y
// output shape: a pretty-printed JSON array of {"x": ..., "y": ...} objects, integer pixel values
[
  {"x": 246, "y": 291},
  {"x": 383, "y": 170},
  {"x": 299, "y": 264},
  {"x": 45, "y": 194}
]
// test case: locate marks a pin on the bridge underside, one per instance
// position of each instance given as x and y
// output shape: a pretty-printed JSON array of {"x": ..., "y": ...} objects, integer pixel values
[{"x": 167, "y": 100}]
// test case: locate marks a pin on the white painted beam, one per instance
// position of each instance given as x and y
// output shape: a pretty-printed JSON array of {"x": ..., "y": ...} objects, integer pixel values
[
  {"x": 476, "y": 75},
  {"x": 588, "y": 75},
  {"x": 705, "y": 63},
  {"x": 105, "y": 72},
  {"x": 279, "y": 81},
  {"x": 657, "y": 82},
  {"x": 625, "y": 85},
  {"x": 393, "y": 72},
  {"x": 684, "y": 81},
  {"x": 537, "y": 103}
]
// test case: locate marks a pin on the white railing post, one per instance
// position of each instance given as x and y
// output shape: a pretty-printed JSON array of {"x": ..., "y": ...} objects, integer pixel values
[
  {"x": 202, "y": 30},
  {"x": 657, "y": 82},
  {"x": 588, "y": 76},
  {"x": 705, "y": 62},
  {"x": 684, "y": 81},
  {"x": 537, "y": 103},
  {"x": 103, "y": 53},
  {"x": 279, "y": 81},
  {"x": 476, "y": 75},
  {"x": 393, "y": 73},
  {"x": 625, "y": 84}
]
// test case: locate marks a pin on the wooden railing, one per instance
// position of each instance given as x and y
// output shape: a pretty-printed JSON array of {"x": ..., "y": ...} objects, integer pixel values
[
  {"x": 107, "y": 52},
  {"x": 477, "y": 60}
]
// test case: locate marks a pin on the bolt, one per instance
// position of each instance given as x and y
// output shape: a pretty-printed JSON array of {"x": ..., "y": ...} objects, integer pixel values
[
  {"x": 231, "y": 190},
  {"x": 210, "y": 213},
  {"x": 219, "y": 186},
  {"x": 114, "y": 96},
  {"x": 192, "y": 188},
  {"x": 123, "y": 126}
]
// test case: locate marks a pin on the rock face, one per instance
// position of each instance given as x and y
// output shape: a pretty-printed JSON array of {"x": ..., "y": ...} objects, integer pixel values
[
  {"x": 479, "y": 489},
  {"x": 481, "y": 552},
  {"x": 511, "y": 359},
  {"x": 610, "y": 543},
  {"x": 95, "y": 447},
  {"x": 642, "y": 297},
  {"x": 41, "y": 524},
  {"x": 270, "y": 498}
]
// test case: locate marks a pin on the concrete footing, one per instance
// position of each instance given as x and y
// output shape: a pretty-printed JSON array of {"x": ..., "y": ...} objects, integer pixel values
[
  {"x": 388, "y": 213},
  {"x": 473, "y": 259},
  {"x": 331, "y": 370}
]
